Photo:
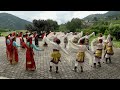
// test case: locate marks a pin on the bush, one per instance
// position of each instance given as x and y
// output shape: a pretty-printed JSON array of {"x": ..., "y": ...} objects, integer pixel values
[
  {"x": 78, "y": 30},
  {"x": 4, "y": 30},
  {"x": 107, "y": 32},
  {"x": 113, "y": 29}
]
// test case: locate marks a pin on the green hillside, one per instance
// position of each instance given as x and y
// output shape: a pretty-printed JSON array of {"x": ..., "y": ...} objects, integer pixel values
[
  {"x": 8, "y": 21},
  {"x": 107, "y": 16}
]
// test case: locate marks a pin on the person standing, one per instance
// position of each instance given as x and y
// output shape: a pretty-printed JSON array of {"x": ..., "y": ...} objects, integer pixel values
[
  {"x": 26, "y": 36},
  {"x": 56, "y": 55},
  {"x": 98, "y": 53},
  {"x": 65, "y": 40},
  {"x": 8, "y": 48},
  {"x": 109, "y": 49},
  {"x": 15, "y": 46},
  {"x": 30, "y": 63},
  {"x": 82, "y": 52},
  {"x": 36, "y": 40},
  {"x": 45, "y": 43},
  {"x": 87, "y": 36}
]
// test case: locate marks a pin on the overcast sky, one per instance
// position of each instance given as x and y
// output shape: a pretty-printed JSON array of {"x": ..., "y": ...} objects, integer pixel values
[{"x": 59, "y": 16}]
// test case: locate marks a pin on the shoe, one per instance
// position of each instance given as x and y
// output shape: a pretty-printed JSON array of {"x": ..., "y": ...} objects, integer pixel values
[
  {"x": 56, "y": 69},
  {"x": 81, "y": 69},
  {"x": 75, "y": 69},
  {"x": 57, "y": 72},
  {"x": 50, "y": 69},
  {"x": 99, "y": 64},
  {"x": 94, "y": 65},
  {"x": 106, "y": 61},
  {"x": 110, "y": 60}
]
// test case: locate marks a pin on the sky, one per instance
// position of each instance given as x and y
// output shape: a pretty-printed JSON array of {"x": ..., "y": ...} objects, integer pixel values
[{"x": 59, "y": 16}]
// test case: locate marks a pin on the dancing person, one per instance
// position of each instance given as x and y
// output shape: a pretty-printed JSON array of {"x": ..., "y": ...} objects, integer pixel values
[
  {"x": 22, "y": 41},
  {"x": 56, "y": 55},
  {"x": 109, "y": 49},
  {"x": 66, "y": 39},
  {"x": 36, "y": 40},
  {"x": 82, "y": 51},
  {"x": 77, "y": 37},
  {"x": 30, "y": 63},
  {"x": 98, "y": 51},
  {"x": 14, "y": 52},
  {"x": 87, "y": 36},
  {"x": 45, "y": 43},
  {"x": 26, "y": 36},
  {"x": 8, "y": 48}
]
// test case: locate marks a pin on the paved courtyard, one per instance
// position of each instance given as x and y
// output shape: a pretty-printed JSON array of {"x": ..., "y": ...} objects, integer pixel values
[{"x": 42, "y": 59}]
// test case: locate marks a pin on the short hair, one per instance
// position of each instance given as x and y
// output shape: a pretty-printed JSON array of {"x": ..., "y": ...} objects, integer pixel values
[
  {"x": 58, "y": 41},
  {"x": 10, "y": 34},
  {"x": 111, "y": 38},
  {"x": 14, "y": 39},
  {"x": 100, "y": 34},
  {"x": 100, "y": 40},
  {"x": 82, "y": 41}
]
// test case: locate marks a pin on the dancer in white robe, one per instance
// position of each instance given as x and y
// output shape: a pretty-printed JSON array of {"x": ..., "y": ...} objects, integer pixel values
[
  {"x": 75, "y": 38},
  {"x": 56, "y": 55},
  {"x": 97, "y": 48},
  {"x": 109, "y": 49},
  {"x": 82, "y": 51}
]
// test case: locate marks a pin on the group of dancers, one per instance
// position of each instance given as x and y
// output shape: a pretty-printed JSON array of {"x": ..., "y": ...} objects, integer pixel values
[{"x": 100, "y": 49}]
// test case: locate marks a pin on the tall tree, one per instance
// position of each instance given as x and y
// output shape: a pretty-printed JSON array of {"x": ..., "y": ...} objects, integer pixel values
[{"x": 74, "y": 24}]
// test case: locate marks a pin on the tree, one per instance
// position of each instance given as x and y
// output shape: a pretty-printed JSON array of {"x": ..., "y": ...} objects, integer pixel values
[
  {"x": 74, "y": 24},
  {"x": 95, "y": 19},
  {"x": 113, "y": 29},
  {"x": 30, "y": 27},
  {"x": 53, "y": 25},
  {"x": 63, "y": 28},
  {"x": 43, "y": 25}
]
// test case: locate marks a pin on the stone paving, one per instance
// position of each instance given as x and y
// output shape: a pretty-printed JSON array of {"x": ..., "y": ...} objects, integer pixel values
[{"x": 42, "y": 59}]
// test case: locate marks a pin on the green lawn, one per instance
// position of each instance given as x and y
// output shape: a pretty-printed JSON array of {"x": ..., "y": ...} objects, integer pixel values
[
  {"x": 6, "y": 33},
  {"x": 21, "y": 31},
  {"x": 116, "y": 44}
]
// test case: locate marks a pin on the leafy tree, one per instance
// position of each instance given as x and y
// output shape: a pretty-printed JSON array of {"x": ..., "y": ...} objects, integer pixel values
[
  {"x": 74, "y": 24},
  {"x": 53, "y": 25},
  {"x": 43, "y": 25},
  {"x": 63, "y": 28}
]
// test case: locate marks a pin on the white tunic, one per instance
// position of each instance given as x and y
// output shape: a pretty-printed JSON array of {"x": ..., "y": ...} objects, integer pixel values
[
  {"x": 55, "y": 45},
  {"x": 99, "y": 46}
]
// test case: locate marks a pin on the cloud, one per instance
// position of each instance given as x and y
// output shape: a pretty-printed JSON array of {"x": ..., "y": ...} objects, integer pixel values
[{"x": 59, "y": 16}]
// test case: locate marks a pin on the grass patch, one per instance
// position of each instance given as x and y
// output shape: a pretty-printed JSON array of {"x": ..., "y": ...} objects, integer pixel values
[
  {"x": 116, "y": 44},
  {"x": 21, "y": 31},
  {"x": 6, "y": 33}
]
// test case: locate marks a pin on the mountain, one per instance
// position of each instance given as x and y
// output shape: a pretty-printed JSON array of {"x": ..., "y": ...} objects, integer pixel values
[
  {"x": 107, "y": 16},
  {"x": 9, "y": 21}
]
